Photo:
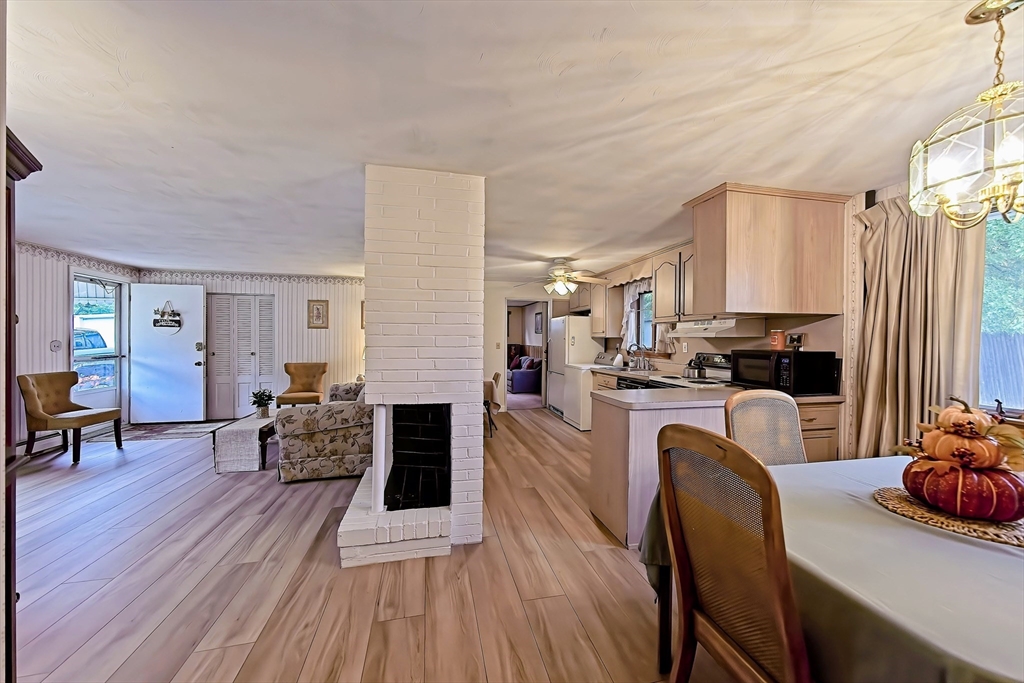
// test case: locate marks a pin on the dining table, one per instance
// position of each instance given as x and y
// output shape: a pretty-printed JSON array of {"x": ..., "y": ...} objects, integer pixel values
[{"x": 886, "y": 598}]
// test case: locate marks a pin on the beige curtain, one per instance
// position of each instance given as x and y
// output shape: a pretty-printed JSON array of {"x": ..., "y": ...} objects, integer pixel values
[{"x": 921, "y": 337}]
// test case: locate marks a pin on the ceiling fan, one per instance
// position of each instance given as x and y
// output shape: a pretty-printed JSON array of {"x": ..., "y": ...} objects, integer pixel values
[{"x": 563, "y": 280}]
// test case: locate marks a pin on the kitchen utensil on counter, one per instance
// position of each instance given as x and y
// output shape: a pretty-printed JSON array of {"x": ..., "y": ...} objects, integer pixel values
[{"x": 694, "y": 369}]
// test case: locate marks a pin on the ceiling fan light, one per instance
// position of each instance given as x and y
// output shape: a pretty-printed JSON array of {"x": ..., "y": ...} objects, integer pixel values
[
  {"x": 572, "y": 286},
  {"x": 561, "y": 288},
  {"x": 549, "y": 287}
]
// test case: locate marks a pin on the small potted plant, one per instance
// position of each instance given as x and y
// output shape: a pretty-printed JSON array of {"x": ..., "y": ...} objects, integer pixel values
[{"x": 262, "y": 400}]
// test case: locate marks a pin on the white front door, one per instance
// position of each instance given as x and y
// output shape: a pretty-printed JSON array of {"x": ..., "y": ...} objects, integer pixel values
[{"x": 166, "y": 357}]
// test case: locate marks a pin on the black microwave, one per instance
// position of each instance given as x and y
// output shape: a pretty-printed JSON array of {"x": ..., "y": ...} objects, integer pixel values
[{"x": 797, "y": 373}]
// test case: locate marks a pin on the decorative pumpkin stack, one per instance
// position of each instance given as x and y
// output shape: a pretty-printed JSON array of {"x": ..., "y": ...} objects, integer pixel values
[{"x": 967, "y": 464}]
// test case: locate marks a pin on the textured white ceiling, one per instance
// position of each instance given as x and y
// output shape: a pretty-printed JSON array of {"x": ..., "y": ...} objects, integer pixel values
[{"x": 231, "y": 135}]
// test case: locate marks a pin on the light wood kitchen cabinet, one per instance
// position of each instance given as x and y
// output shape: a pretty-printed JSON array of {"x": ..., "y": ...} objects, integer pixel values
[
  {"x": 579, "y": 300},
  {"x": 819, "y": 427},
  {"x": 767, "y": 251},
  {"x": 604, "y": 381},
  {"x": 672, "y": 284},
  {"x": 605, "y": 311}
]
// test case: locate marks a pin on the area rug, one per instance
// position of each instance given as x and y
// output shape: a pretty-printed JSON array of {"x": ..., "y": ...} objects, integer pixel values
[
  {"x": 153, "y": 432},
  {"x": 524, "y": 401}
]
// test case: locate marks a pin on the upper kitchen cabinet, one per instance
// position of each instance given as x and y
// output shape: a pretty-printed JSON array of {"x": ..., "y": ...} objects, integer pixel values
[
  {"x": 579, "y": 301},
  {"x": 606, "y": 311},
  {"x": 767, "y": 251},
  {"x": 672, "y": 284}
]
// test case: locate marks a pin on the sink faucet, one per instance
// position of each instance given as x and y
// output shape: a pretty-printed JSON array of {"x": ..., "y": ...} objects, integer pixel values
[{"x": 644, "y": 363}]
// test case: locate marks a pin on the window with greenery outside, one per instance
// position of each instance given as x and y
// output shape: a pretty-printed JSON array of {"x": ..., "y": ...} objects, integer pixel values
[
  {"x": 645, "y": 321},
  {"x": 1002, "y": 315}
]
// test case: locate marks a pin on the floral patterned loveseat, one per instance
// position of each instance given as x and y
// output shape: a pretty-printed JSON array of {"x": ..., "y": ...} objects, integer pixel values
[{"x": 324, "y": 441}]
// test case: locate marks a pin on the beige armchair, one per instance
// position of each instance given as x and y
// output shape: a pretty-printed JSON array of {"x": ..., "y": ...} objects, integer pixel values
[
  {"x": 48, "y": 406},
  {"x": 324, "y": 441},
  {"x": 307, "y": 384}
]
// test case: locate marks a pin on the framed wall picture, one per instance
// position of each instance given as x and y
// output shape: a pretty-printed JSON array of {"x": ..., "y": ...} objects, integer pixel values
[
  {"x": 316, "y": 314},
  {"x": 538, "y": 323}
]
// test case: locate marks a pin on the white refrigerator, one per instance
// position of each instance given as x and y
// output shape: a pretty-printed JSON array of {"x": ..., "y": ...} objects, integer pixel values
[{"x": 569, "y": 342}]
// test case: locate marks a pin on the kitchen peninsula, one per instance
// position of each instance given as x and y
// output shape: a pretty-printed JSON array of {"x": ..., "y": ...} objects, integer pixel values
[{"x": 624, "y": 457}]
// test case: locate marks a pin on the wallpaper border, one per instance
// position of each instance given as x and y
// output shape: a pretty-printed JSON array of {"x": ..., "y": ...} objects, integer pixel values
[
  {"x": 252, "y": 277},
  {"x": 79, "y": 260},
  {"x": 127, "y": 271}
]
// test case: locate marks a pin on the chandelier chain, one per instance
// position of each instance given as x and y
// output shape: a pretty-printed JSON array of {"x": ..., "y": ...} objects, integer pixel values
[{"x": 1000, "y": 55}]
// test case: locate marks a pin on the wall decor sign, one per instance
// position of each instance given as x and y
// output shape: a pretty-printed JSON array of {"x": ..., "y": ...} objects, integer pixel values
[
  {"x": 316, "y": 314},
  {"x": 167, "y": 318},
  {"x": 538, "y": 323}
]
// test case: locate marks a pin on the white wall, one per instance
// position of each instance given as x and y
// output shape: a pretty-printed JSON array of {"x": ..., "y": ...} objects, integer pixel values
[{"x": 340, "y": 346}]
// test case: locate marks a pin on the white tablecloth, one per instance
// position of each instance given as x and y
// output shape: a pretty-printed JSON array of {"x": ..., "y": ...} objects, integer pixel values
[{"x": 960, "y": 598}]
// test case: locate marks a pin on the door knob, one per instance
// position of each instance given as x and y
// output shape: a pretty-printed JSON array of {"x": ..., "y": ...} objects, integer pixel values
[{"x": 199, "y": 363}]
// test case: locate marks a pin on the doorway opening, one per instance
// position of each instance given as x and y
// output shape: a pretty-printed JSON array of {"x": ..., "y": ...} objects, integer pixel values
[{"x": 526, "y": 353}]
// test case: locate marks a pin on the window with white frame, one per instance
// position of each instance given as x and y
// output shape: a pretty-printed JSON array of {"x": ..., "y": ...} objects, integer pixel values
[{"x": 1002, "y": 325}]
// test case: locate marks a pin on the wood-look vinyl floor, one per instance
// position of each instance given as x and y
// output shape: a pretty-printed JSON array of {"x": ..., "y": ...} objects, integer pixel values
[{"x": 144, "y": 565}]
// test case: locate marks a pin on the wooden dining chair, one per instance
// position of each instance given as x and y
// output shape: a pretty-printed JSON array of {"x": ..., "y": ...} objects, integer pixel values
[
  {"x": 724, "y": 526},
  {"x": 766, "y": 423},
  {"x": 490, "y": 391}
]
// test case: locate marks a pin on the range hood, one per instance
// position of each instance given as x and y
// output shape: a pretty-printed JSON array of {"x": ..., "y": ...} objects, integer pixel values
[{"x": 726, "y": 327}]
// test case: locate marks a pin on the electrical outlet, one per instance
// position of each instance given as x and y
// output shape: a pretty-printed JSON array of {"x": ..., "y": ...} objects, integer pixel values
[{"x": 686, "y": 347}]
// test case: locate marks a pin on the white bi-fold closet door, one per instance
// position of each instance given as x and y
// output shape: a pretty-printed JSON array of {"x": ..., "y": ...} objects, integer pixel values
[{"x": 240, "y": 352}]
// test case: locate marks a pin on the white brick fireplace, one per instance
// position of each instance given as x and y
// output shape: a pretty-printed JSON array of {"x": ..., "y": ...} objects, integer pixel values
[{"x": 424, "y": 258}]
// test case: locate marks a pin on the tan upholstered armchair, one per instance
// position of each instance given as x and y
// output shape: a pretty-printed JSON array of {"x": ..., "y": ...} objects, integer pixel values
[
  {"x": 324, "y": 441},
  {"x": 48, "y": 406},
  {"x": 307, "y": 384}
]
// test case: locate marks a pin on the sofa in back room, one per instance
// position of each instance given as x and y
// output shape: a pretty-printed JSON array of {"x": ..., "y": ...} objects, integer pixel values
[{"x": 524, "y": 380}]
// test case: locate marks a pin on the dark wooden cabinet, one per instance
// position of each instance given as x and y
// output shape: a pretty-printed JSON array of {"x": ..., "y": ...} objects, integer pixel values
[{"x": 20, "y": 164}]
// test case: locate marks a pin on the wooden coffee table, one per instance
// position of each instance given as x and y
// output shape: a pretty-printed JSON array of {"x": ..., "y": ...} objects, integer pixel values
[{"x": 242, "y": 445}]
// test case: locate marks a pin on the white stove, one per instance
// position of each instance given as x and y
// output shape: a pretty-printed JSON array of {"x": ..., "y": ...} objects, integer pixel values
[{"x": 717, "y": 366}]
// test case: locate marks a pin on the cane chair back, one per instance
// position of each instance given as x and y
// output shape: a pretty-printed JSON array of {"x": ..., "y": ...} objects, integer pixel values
[
  {"x": 767, "y": 424},
  {"x": 725, "y": 530}
]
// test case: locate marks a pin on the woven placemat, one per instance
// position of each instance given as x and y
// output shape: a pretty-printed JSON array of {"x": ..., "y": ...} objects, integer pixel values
[{"x": 902, "y": 503}]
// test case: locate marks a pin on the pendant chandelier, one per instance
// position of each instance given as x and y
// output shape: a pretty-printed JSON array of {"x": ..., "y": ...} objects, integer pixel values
[{"x": 973, "y": 162}]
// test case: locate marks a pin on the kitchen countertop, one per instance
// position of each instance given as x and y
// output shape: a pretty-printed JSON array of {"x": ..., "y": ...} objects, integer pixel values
[
  {"x": 667, "y": 399},
  {"x": 623, "y": 372}
]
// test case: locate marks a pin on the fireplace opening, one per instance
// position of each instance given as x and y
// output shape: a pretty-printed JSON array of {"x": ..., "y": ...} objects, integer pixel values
[{"x": 421, "y": 457}]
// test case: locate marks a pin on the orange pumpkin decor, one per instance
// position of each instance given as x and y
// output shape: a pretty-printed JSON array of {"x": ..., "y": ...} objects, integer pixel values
[
  {"x": 993, "y": 494},
  {"x": 956, "y": 418},
  {"x": 966, "y": 465}
]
